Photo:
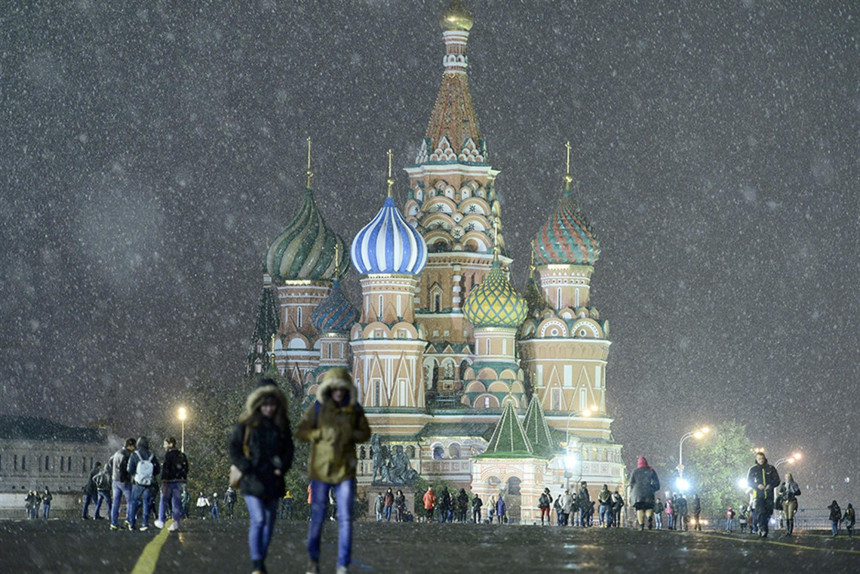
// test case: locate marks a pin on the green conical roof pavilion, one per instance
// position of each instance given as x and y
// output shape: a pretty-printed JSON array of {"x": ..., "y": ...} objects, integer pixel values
[
  {"x": 537, "y": 430},
  {"x": 509, "y": 439}
]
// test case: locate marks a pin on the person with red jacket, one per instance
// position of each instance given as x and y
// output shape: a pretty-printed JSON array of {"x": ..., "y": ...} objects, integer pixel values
[{"x": 429, "y": 503}]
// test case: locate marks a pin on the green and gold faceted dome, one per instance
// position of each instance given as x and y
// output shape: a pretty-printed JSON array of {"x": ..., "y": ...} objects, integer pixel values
[
  {"x": 494, "y": 303},
  {"x": 305, "y": 250}
]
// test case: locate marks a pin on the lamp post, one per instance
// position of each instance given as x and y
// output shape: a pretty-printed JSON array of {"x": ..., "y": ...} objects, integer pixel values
[
  {"x": 570, "y": 458},
  {"x": 183, "y": 414},
  {"x": 789, "y": 459},
  {"x": 698, "y": 433}
]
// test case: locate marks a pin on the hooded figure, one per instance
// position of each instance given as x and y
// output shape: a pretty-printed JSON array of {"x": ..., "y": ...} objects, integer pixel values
[
  {"x": 643, "y": 484},
  {"x": 334, "y": 424},
  {"x": 261, "y": 447}
]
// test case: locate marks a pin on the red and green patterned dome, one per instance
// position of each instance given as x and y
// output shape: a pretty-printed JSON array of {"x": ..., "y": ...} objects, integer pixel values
[
  {"x": 494, "y": 303},
  {"x": 567, "y": 237}
]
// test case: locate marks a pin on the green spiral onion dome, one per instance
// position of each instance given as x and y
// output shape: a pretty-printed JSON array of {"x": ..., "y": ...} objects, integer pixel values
[{"x": 305, "y": 250}]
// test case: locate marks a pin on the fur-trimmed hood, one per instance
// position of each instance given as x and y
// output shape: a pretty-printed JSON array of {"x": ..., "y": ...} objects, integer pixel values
[
  {"x": 255, "y": 400},
  {"x": 337, "y": 378}
]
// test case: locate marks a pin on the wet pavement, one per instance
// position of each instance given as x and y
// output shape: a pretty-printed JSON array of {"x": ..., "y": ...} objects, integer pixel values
[{"x": 65, "y": 546}]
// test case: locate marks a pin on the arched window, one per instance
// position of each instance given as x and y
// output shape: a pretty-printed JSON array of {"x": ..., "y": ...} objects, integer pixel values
[{"x": 438, "y": 452}]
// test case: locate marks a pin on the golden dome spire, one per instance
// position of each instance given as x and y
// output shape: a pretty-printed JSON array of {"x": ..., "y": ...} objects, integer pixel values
[
  {"x": 390, "y": 180},
  {"x": 568, "y": 178},
  {"x": 456, "y": 17},
  {"x": 309, "y": 173},
  {"x": 495, "y": 240}
]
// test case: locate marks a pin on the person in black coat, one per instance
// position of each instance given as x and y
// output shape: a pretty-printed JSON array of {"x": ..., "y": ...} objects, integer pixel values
[
  {"x": 91, "y": 493},
  {"x": 261, "y": 447},
  {"x": 835, "y": 517},
  {"x": 763, "y": 478},
  {"x": 643, "y": 484}
]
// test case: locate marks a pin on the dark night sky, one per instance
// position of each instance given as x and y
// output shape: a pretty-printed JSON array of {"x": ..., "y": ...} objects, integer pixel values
[{"x": 149, "y": 150}]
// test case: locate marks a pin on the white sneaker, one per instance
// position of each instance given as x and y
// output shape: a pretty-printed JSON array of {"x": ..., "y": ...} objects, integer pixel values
[
  {"x": 159, "y": 524},
  {"x": 173, "y": 527},
  {"x": 144, "y": 528}
]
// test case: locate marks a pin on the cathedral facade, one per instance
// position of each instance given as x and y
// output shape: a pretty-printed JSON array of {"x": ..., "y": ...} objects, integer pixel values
[{"x": 481, "y": 386}]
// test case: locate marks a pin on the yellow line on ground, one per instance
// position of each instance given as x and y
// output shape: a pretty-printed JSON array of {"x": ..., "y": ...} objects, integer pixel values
[
  {"x": 789, "y": 544},
  {"x": 149, "y": 557}
]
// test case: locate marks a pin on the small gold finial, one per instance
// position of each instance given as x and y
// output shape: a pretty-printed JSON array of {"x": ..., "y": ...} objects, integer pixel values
[
  {"x": 309, "y": 173},
  {"x": 568, "y": 178},
  {"x": 532, "y": 264},
  {"x": 336, "y": 260},
  {"x": 457, "y": 17},
  {"x": 390, "y": 180},
  {"x": 495, "y": 240},
  {"x": 273, "y": 344}
]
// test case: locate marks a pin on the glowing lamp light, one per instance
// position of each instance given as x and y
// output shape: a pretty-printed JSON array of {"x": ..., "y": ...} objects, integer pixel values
[
  {"x": 742, "y": 483},
  {"x": 183, "y": 414},
  {"x": 682, "y": 484}
]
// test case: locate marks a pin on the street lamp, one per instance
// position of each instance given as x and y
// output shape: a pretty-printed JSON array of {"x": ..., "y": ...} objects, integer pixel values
[
  {"x": 183, "y": 414},
  {"x": 789, "y": 459},
  {"x": 698, "y": 433}
]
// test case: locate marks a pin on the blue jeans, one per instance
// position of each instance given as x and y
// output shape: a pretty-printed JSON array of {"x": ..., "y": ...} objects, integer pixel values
[
  {"x": 215, "y": 514},
  {"x": 388, "y": 514},
  {"x": 46, "y": 510},
  {"x": 120, "y": 489},
  {"x": 606, "y": 514},
  {"x": 583, "y": 517},
  {"x": 103, "y": 496},
  {"x": 834, "y": 527},
  {"x": 658, "y": 521},
  {"x": 730, "y": 524},
  {"x": 88, "y": 498},
  {"x": 138, "y": 492},
  {"x": 171, "y": 493},
  {"x": 263, "y": 513},
  {"x": 344, "y": 494}
]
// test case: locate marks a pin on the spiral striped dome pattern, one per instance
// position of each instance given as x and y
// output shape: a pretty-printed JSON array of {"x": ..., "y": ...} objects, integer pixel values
[
  {"x": 335, "y": 314},
  {"x": 305, "y": 250},
  {"x": 494, "y": 303},
  {"x": 388, "y": 244},
  {"x": 567, "y": 237}
]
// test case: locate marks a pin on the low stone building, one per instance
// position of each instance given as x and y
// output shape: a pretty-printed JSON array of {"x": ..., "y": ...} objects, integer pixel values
[{"x": 36, "y": 453}]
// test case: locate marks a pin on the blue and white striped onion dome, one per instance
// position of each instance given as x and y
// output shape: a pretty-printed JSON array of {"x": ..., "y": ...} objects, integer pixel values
[
  {"x": 388, "y": 244},
  {"x": 335, "y": 314}
]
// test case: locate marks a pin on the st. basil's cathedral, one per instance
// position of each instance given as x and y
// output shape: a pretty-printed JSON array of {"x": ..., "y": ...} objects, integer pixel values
[{"x": 479, "y": 385}]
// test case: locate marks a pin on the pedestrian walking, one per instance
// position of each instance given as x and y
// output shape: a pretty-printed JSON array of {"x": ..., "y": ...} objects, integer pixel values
[
  {"x": 604, "y": 509},
  {"x": 835, "y": 517},
  {"x": 763, "y": 479},
  {"x": 697, "y": 512},
  {"x": 491, "y": 509},
  {"x": 117, "y": 466},
  {"x": 788, "y": 492},
  {"x": 215, "y": 510},
  {"x": 583, "y": 500},
  {"x": 91, "y": 493},
  {"x": 659, "y": 507},
  {"x": 230, "y": 501},
  {"x": 286, "y": 512},
  {"x": 202, "y": 506},
  {"x": 644, "y": 483},
  {"x": 174, "y": 475},
  {"x": 429, "y": 503},
  {"x": 261, "y": 448},
  {"x": 103, "y": 488},
  {"x": 333, "y": 424},
  {"x": 378, "y": 506},
  {"x": 670, "y": 513},
  {"x": 618, "y": 505},
  {"x": 47, "y": 497},
  {"x": 477, "y": 503},
  {"x": 730, "y": 520},
  {"x": 143, "y": 467},
  {"x": 848, "y": 520},
  {"x": 544, "y": 504},
  {"x": 462, "y": 505},
  {"x": 501, "y": 510},
  {"x": 185, "y": 499},
  {"x": 400, "y": 506}
]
